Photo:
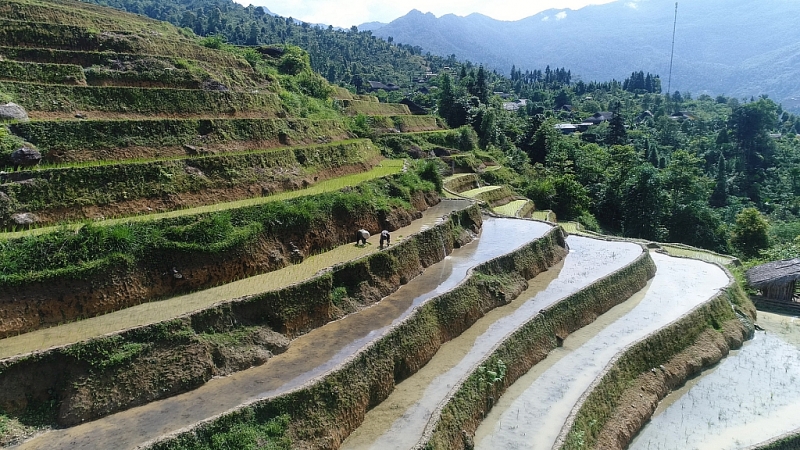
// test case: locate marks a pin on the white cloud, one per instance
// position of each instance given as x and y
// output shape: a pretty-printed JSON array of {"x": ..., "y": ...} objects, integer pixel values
[
  {"x": 634, "y": 4},
  {"x": 561, "y": 15},
  {"x": 545, "y": 18},
  {"x": 346, "y": 13}
]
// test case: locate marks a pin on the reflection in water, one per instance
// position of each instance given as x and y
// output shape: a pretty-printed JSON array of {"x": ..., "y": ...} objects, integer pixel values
[
  {"x": 307, "y": 356},
  {"x": 392, "y": 426},
  {"x": 534, "y": 419},
  {"x": 752, "y": 396}
]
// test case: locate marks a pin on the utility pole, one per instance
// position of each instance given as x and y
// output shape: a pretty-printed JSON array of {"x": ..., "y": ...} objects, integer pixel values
[{"x": 672, "y": 53}]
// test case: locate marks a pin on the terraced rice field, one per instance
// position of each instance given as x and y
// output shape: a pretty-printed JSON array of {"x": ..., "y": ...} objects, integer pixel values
[
  {"x": 98, "y": 120},
  {"x": 309, "y": 356},
  {"x": 399, "y": 421},
  {"x": 697, "y": 253},
  {"x": 164, "y": 310},
  {"x": 532, "y": 414},
  {"x": 543, "y": 215},
  {"x": 386, "y": 167},
  {"x": 511, "y": 209},
  {"x": 474, "y": 193},
  {"x": 749, "y": 398}
]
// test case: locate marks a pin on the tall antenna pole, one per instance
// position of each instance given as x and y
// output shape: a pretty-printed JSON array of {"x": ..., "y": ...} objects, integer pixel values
[{"x": 672, "y": 53}]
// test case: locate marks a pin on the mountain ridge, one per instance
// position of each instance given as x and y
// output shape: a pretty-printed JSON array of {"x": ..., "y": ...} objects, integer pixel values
[{"x": 602, "y": 42}]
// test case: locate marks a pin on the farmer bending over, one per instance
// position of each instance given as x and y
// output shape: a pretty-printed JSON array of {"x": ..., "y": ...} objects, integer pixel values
[
  {"x": 384, "y": 237},
  {"x": 361, "y": 236}
]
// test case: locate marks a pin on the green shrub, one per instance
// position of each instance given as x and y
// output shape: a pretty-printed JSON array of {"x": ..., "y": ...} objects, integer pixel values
[
  {"x": 216, "y": 42},
  {"x": 82, "y": 135},
  {"x": 750, "y": 234},
  {"x": 430, "y": 172},
  {"x": 38, "y": 97},
  {"x": 294, "y": 61},
  {"x": 8, "y": 144}
]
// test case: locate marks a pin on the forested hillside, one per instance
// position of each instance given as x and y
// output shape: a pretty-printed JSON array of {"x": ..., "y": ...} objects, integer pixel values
[
  {"x": 676, "y": 168},
  {"x": 704, "y": 171},
  {"x": 346, "y": 56}
]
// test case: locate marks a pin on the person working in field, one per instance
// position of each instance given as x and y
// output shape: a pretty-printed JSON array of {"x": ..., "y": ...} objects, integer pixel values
[
  {"x": 385, "y": 238},
  {"x": 361, "y": 236}
]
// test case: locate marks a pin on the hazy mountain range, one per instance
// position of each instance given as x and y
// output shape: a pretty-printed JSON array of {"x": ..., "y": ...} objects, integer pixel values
[{"x": 740, "y": 48}]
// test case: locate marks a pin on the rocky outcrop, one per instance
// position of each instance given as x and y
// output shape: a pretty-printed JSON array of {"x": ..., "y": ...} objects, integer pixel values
[
  {"x": 24, "y": 219},
  {"x": 12, "y": 111},
  {"x": 26, "y": 157}
]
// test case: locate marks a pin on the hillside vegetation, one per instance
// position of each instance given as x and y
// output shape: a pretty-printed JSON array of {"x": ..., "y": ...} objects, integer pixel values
[{"x": 149, "y": 161}]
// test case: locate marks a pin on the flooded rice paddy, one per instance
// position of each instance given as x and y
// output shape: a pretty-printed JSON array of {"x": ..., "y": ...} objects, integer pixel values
[
  {"x": 697, "y": 253},
  {"x": 398, "y": 422},
  {"x": 308, "y": 356},
  {"x": 531, "y": 414},
  {"x": 750, "y": 397},
  {"x": 157, "y": 311}
]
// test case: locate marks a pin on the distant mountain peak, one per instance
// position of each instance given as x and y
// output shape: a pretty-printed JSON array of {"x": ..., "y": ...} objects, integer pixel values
[
  {"x": 371, "y": 26},
  {"x": 609, "y": 41}
]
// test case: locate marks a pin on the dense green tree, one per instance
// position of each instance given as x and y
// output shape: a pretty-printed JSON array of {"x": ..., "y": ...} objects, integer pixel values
[
  {"x": 481, "y": 86},
  {"x": 540, "y": 137},
  {"x": 642, "y": 204},
  {"x": 487, "y": 131},
  {"x": 720, "y": 195},
  {"x": 447, "y": 96},
  {"x": 617, "y": 135},
  {"x": 750, "y": 233},
  {"x": 683, "y": 180}
]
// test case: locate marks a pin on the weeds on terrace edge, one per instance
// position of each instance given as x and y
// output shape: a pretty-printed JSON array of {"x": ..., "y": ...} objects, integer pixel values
[
  {"x": 252, "y": 433},
  {"x": 70, "y": 253}
]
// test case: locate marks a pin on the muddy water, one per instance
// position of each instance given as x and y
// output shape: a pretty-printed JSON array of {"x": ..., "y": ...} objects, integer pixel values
[
  {"x": 750, "y": 397},
  {"x": 399, "y": 421},
  {"x": 147, "y": 313},
  {"x": 535, "y": 417},
  {"x": 308, "y": 356}
]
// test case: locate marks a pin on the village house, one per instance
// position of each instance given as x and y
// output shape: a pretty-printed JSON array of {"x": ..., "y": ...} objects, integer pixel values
[
  {"x": 599, "y": 117},
  {"x": 377, "y": 85},
  {"x": 776, "y": 280}
]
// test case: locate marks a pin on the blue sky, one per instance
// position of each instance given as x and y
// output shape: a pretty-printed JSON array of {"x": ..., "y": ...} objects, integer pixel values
[{"x": 354, "y": 12}]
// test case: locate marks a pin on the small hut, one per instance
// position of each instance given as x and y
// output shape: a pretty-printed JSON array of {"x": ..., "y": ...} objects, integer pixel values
[{"x": 776, "y": 280}]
